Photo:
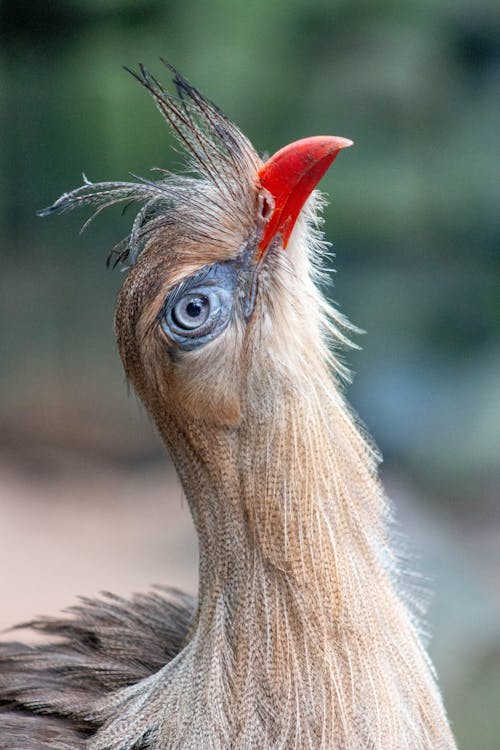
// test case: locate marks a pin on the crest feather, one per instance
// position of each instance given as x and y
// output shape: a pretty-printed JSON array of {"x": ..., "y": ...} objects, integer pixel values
[{"x": 217, "y": 152}]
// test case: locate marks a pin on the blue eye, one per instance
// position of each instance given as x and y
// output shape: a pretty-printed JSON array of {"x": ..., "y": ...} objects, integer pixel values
[
  {"x": 193, "y": 310},
  {"x": 200, "y": 308}
]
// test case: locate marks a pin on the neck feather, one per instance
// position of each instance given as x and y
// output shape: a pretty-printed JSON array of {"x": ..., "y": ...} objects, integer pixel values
[{"x": 300, "y": 627}]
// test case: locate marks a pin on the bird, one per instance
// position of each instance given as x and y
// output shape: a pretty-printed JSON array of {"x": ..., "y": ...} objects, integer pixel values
[{"x": 302, "y": 635}]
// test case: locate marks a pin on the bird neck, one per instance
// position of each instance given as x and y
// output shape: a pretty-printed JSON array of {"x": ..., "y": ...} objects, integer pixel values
[
  {"x": 297, "y": 610},
  {"x": 291, "y": 493},
  {"x": 289, "y": 515}
]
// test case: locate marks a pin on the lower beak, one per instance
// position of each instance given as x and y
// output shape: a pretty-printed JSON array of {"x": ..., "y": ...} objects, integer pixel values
[{"x": 290, "y": 176}]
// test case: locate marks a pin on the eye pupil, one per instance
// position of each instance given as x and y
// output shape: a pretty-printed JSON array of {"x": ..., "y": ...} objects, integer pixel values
[{"x": 193, "y": 309}]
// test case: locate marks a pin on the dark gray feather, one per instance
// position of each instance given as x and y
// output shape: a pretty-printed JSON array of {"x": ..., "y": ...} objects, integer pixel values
[{"x": 47, "y": 691}]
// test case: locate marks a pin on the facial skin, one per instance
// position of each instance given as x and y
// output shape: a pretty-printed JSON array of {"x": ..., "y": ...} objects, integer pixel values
[{"x": 196, "y": 371}]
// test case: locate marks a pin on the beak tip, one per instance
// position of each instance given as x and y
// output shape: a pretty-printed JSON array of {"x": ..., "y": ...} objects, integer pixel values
[
  {"x": 345, "y": 142},
  {"x": 336, "y": 143}
]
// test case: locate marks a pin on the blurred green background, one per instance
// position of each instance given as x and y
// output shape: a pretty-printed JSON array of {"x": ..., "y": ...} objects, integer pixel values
[{"x": 411, "y": 220}]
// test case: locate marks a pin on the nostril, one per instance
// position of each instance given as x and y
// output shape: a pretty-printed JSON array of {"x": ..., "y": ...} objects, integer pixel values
[{"x": 265, "y": 205}]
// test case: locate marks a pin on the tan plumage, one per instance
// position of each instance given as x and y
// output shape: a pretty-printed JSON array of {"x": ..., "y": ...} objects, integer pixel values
[{"x": 301, "y": 638}]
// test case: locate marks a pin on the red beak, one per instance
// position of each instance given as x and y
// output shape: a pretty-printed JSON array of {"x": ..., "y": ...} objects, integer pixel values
[{"x": 290, "y": 176}]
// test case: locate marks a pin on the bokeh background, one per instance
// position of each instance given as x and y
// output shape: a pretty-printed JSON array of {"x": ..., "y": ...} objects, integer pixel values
[{"x": 87, "y": 497}]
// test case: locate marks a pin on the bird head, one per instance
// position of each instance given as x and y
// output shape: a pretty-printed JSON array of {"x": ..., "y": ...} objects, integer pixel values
[{"x": 220, "y": 307}]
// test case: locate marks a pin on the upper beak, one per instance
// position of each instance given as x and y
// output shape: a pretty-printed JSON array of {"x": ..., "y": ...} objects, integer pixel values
[{"x": 290, "y": 176}]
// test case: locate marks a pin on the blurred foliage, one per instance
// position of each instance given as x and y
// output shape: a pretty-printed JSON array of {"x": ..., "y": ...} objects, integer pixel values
[{"x": 412, "y": 219}]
